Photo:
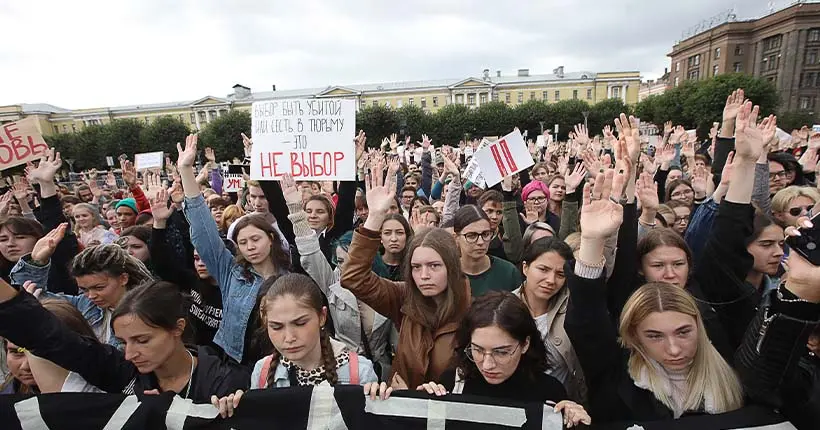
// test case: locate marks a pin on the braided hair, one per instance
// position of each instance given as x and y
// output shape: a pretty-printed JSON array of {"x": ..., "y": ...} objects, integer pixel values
[
  {"x": 112, "y": 260},
  {"x": 302, "y": 289}
]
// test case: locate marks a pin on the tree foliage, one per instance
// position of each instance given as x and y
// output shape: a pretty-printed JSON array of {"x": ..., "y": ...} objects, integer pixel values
[
  {"x": 163, "y": 135},
  {"x": 224, "y": 134}
]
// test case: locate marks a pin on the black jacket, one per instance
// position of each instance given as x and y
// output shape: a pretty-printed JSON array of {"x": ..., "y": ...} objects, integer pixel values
[
  {"x": 50, "y": 215},
  {"x": 26, "y": 323},
  {"x": 517, "y": 387},
  {"x": 773, "y": 362}
]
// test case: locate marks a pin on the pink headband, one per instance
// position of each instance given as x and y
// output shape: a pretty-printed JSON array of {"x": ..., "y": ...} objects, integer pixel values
[{"x": 535, "y": 186}]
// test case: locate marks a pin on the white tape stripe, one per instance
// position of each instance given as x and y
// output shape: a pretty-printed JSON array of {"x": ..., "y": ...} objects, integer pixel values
[
  {"x": 28, "y": 412},
  {"x": 780, "y": 426},
  {"x": 324, "y": 411},
  {"x": 551, "y": 420},
  {"x": 436, "y": 415},
  {"x": 469, "y": 412},
  {"x": 181, "y": 409},
  {"x": 123, "y": 413}
]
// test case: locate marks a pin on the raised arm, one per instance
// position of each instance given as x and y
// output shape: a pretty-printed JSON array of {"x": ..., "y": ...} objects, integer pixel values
[
  {"x": 569, "y": 209},
  {"x": 513, "y": 236},
  {"x": 451, "y": 201},
  {"x": 165, "y": 262}
]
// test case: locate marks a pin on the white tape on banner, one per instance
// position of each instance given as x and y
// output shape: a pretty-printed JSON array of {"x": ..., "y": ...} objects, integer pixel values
[
  {"x": 551, "y": 420},
  {"x": 28, "y": 412},
  {"x": 123, "y": 413},
  {"x": 181, "y": 409},
  {"x": 469, "y": 412},
  {"x": 324, "y": 411}
]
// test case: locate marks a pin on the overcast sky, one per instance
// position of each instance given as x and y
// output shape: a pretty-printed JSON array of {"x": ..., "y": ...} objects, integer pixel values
[{"x": 94, "y": 53}]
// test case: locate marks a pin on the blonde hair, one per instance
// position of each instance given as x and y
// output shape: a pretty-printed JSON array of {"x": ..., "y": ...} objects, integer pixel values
[
  {"x": 781, "y": 200},
  {"x": 230, "y": 214},
  {"x": 95, "y": 214},
  {"x": 710, "y": 377}
]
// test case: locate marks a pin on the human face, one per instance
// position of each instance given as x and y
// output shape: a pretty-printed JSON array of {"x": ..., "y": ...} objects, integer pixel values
[
  {"x": 394, "y": 238},
  {"x": 666, "y": 264},
  {"x": 674, "y": 175},
  {"x": 393, "y": 209},
  {"x": 257, "y": 200},
  {"x": 669, "y": 217},
  {"x": 295, "y": 330},
  {"x": 85, "y": 195},
  {"x": 135, "y": 247},
  {"x": 13, "y": 246},
  {"x": 490, "y": 342},
  {"x": 540, "y": 174},
  {"x": 126, "y": 217},
  {"x": 199, "y": 265},
  {"x": 558, "y": 188},
  {"x": 474, "y": 191},
  {"x": 799, "y": 203},
  {"x": 111, "y": 217},
  {"x": 146, "y": 347},
  {"x": 407, "y": 198},
  {"x": 318, "y": 216},
  {"x": 411, "y": 182},
  {"x": 477, "y": 249},
  {"x": 700, "y": 164},
  {"x": 429, "y": 272},
  {"x": 682, "y": 214},
  {"x": 254, "y": 244},
  {"x": 778, "y": 177},
  {"x": 341, "y": 256},
  {"x": 362, "y": 212},
  {"x": 216, "y": 213},
  {"x": 767, "y": 250},
  {"x": 68, "y": 209},
  {"x": 17, "y": 363},
  {"x": 539, "y": 200},
  {"x": 494, "y": 212},
  {"x": 83, "y": 218},
  {"x": 670, "y": 338},
  {"x": 103, "y": 289},
  {"x": 545, "y": 275},
  {"x": 438, "y": 206},
  {"x": 684, "y": 194}
]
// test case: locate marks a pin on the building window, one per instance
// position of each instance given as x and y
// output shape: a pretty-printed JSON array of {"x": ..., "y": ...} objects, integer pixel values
[
  {"x": 532, "y": 95},
  {"x": 435, "y": 101},
  {"x": 715, "y": 69},
  {"x": 399, "y": 103},
  {"x": 589, "y": 94},
  {"x": 773, "y": 42},
  {"x": 693, "y": 74},
  {"x": 677, "y": 66},
  {"x": 362, "y": 103},
  {"x": 460, "y": 99},
  {"x": 693, "y": 60},
  {"x": 557, "y": 95},
  {"x": 181, "y": 117},
  {"x": 56, "y": 130},
  {"x": 811, "y": 57},
  {"x": 387, "y": 103},
  {"x": 677, "y": 81},
  {"x": 717, "y": 53},
  {"x": 424, "y": 103},
  {"x": 375, "y": 103},
  {"x": 73, "y": 127},
  {"x": 814, "y": 35},
  {"x": 411, "y": 102},
  {"x": 575, "y": 94},
  {"x": 520, "y": 97},
  {"x": 482, "y": 97},
  {"x": 65, "y": 129},
  {"x": 507, "y": 98},
  {"x": 737, "y": 67},
  {"x": 545, "y": 95},
  {"x": 495, "y": 96},
  {"x": 471, "y": 99},
  {"x": 616, "y": 92},
  {"x": 201, "y": 116},
  {"x": 147, "y": 120},
  {"x": 211, "y": 115},
  {"x": 193, "y": 118},
  {"x": 808, "y": 79},
  {"x": 770, "y": 63},
  {"x": 804, "y": 102},
  {"x": 738, "y": 50}
]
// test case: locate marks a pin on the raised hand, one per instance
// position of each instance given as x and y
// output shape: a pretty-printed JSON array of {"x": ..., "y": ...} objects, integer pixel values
[
  {"x": 629, "y": 132},
  {"x": 111, "y": 180},
  {"x": 21, "y": 189},
  {"x": 159, "y": 205},
  {"x": 750, "y": 137},
  {"x": 563, "y": 163},
  {"x": 361, "y": 143},
  {"x": 187, "y": 156},
  {"x": 678, "y": 134},
  {"x": 573, "y": 179},
  {"x": 623, "y": 170},
  {"x": 50, "y": 163},
  {"x": 688, "y": 149},
  {"x": 247, "y": 142},
  {"x": 95, "y": 189},
  {"x": 600, "y": 216},
  {"x": 667, "y": 153},
  {"x": 209, "y": 155},
  {"x": 591, "y": 162},
  {"x": 45, "y": 247},
  {"x": 667, "y": 128},
  {"x": 129, "y": 172},
  {"x": 5, "y": 200},
  {"x": 726, "y": 174},
  {"x": 394, "y": 142},
  {"x": 608, "y": 136},
  {"x": 647, "y": 190},
  {"x": 699, "y": 181},
  {"x": 530, "y": 212},
  {"x": 734, "y": 103},
  {"x": 290, "y": 190},
  {"x": 581, "y": 135},
  {"x": 425, "y": 142}
]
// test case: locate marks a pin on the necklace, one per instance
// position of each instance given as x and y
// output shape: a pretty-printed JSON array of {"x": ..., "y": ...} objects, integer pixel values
[{"x": 191, "y": 376}]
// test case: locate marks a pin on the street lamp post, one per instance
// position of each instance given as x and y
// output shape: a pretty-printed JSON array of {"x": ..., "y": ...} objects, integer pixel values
[
  {"x": 586, "y": 115},
  {"x": 541, "y": 123}
]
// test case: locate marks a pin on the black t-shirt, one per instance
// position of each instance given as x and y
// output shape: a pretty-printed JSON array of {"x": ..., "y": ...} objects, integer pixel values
[
  {"x": 205, "y": 311},
  {"x": 518, "y": 387}
]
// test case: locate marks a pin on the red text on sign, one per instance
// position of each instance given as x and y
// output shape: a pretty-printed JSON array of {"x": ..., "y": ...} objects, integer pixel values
[
  {"x": 14, "y": 147},
  {"x": 502, "y": 169},
  {"x": 302, "y": 164}
]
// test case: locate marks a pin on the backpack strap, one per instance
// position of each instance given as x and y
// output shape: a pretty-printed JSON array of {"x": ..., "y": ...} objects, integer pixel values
[
  {"x": 354, "y": 367},
  {"x": 263, "y": 375},
  {"x": 458, "y": 386}
]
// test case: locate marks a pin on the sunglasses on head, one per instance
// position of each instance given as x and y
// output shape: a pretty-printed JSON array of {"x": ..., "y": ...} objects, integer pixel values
[{"x": 799, "y": 210}]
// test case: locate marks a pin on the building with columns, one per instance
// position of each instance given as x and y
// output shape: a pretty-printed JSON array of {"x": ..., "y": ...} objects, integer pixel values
[
  {"x": 430, "y": 95},
  {"x": 782, "y": 47}
]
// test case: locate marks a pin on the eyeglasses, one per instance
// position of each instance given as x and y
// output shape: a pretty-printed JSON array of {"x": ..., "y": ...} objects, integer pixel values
[
  {"x": 684, "y": 193},
  {"x": 478, "y": 355},
  {"x": 472, "y": 237},
  {"x": 536, "y": 199},
  {"x": 776, "y": 175},
  {"x": 799, "y": 210},
  {"x": 122, "y": 241},
  {"x": 682, "y": 219}
]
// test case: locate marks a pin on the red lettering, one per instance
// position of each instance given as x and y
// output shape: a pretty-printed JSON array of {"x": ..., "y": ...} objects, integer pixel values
[
  {"x": 275, "y": 163},
  {"x": 315, "y": 164},
  {"x": 37, "y": 147},
  {"x": 18, "y": 145},
  {"x": 295, "y": 164},
  {"x": 263, "y": 166},
  {"x": 506, "y": 151},
  {"x": 497, "y": 157}
]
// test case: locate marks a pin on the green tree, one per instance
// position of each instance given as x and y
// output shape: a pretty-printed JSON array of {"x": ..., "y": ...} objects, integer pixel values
[
  {"x": 604, "y": 113},
  {"x": 163, "y": 135},
  {"x": 451, "y": 123},
  {"x": 528, "y": 116},
  {"x": 224, "y": 134},
  {"x": 87, "y": 149},
  {"x": 492, "y": 119},
  {"x": 792, "y": 120},
  {"x": 567, "y": 113},
  {"x": 705, "y": 105},
  {"x": 646, "y": 109},
  {"x": 377, "y": 122},
  {"x": 413, "y": 119}
]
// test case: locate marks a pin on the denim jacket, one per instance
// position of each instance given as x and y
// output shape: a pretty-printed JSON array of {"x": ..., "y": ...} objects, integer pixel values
[
  {"x": 239, "y": 295},
  {"x": 25, "y": 270}
]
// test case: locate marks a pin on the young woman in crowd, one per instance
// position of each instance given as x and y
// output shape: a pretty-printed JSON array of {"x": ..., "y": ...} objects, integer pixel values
[
  {"x": 88, "y": 227},
  {"x": 498, "y": 355},
  {"x": 135, "y": 240},
  {"x": 540, "y": 171},
  {"x": 558, "y": 188},
  {"x": 680, "y": 190},
  {"x": 304, "y": 353},
  {"x": 683, "y": 214},
  {"x": 545, "y": 297},
  {"x": 792, "y": 202},
  {"x": 485, "y": 272},
  {"x": 229, "y": 216},
  {"x": 672, "y": 368},
  {"x": 396, "y": 233},
  {"x": 427, "y": 307},
  {"x": 149, "y": 320},
  {"x": 536, "y": 195},
  {"x": 260, "y": 256}
]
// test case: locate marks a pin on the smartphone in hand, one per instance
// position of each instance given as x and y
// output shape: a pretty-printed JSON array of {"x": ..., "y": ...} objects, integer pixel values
[{"x": 808, "y": 243}]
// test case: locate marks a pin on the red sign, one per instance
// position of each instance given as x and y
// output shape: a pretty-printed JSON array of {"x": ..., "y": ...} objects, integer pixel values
[{"x": 20, "y": 142}]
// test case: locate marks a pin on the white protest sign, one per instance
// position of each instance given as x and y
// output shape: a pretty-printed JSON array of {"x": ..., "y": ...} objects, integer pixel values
[
  {"x": 541, "y": 141},
  {"x": 233, "y": 183},
  {"x": 472, "y": 172},
  {"x": 309, "y": 139},
  {"x": 149, "y": 160},
  {"x": 503, "y": 158}
]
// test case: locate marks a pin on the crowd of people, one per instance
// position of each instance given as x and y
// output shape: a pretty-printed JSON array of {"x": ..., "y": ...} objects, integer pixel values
[{"x": 618, "y": 281}]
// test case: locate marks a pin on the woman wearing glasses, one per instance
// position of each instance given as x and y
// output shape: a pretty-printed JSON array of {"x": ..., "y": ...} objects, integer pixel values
[
  {"x": 792, "y": 202},
  {"x": 499, "y": 354},
  {"x": 683, "y": 214},
  {"x": 486, "y": 272},
  {"x": 536, "y": 196}
]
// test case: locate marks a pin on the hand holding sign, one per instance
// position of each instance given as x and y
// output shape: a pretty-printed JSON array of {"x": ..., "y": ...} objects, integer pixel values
[{"x": 20, "y": 142}]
